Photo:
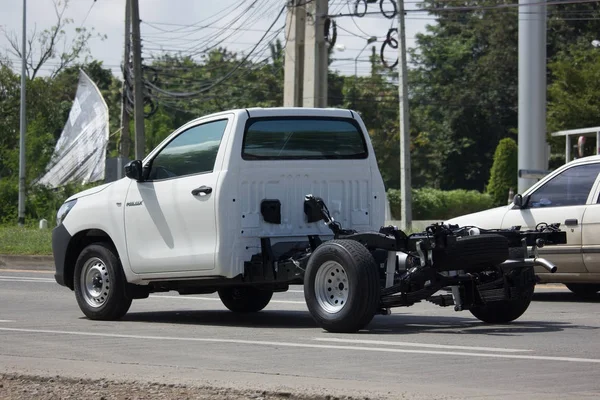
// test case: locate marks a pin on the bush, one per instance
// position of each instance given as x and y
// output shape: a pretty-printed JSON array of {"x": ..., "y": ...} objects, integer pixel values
[
  {"x": 434, "y": 204},
  {"x": 503, "y": 175},
  {"x": 40, "y": 203}
]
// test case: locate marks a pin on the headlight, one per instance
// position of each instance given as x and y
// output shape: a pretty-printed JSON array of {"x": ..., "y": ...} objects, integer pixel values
[{"x": 64, "y": 210}]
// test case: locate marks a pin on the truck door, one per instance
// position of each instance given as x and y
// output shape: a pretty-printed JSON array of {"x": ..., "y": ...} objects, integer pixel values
[{"x": 170, "y": 217}]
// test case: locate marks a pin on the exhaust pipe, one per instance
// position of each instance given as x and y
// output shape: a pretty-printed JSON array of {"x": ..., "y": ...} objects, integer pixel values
[
  {"x": 531, "y": 262},
  {"x": 542, "y": 262}
]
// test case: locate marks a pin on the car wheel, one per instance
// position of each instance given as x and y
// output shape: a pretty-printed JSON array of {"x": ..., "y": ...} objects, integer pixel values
[
  {"x": 341, "y": 286},
  {"x": 99, "y": 283},
  {"x": 584, "y": 289},
  {"x": 245, "y": 299},
  {"x": 503, "y": 311}
]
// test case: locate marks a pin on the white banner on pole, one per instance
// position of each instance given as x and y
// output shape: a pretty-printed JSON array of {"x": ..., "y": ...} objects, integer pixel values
[{"x": 80, "y": 153}]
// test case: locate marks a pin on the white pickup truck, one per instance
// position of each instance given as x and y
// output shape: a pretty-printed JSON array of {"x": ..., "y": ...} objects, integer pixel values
[{"x": 247, "y": 202}]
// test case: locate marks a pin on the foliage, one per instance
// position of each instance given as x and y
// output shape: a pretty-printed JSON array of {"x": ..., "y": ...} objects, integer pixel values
[
  {"x": 573, "y": 100},
  {"x": 435, "y": 204},
  {"x": 51, "y": 44},
  {"x": 503, "y": 175},
  {"x": 25, "y": 240}
]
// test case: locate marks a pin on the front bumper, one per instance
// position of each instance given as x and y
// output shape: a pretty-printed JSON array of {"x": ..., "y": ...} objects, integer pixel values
[{"x": 60, "y": 243}]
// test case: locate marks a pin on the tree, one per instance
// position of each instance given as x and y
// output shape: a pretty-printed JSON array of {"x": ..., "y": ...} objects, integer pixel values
[
  {"x": 51, "y": 44},
  {"x": 463, "y": 89},
  {"x": 503, "y": 175},
  {"x": 573, "y": 100}
]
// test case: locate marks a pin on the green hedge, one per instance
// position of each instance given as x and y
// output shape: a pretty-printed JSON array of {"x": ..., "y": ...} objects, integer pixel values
[
  {"x": 432, "y": 204},
  {"x": 40, "y": 201}
]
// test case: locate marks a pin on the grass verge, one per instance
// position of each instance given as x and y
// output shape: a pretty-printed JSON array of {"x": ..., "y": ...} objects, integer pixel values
[{"x": 17, "y": 240}]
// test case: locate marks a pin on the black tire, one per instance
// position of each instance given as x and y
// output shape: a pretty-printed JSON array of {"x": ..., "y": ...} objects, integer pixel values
[
  {"x": 471, "y": 253},
  {"x": 245, "y": 299},
  {"x": 501, "y": 312},
  {"x": 101, "y": 266},
  {"x": 358, "y": 281},
  {"x": 585, "y": 290}
]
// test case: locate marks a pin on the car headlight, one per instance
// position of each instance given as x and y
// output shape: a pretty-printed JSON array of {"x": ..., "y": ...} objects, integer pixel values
[{"x": 64, "y": 210}]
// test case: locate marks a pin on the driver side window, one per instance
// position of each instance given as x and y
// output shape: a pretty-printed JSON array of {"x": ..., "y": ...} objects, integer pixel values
[
  {"x": 569, "y": 188},
  {"x": 193, "y": 151}
]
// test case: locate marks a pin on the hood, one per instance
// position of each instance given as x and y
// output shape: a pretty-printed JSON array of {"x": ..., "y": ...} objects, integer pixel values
[
  {"x": 488, "y": 219},
  {"x": 88, "y": 192}
]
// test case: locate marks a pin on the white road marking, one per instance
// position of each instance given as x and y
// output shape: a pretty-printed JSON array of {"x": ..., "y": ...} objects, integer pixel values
[
  {"x": 306, "y": 345},
  {"x": 424, "y": 345},
  {"x": 27, "y": 280},
  {"x": 184, "y": 297},
  {"x": 27, "y": 277},
  {"x": 295, "y": 291},
  {"x": 6, "y": 320}
]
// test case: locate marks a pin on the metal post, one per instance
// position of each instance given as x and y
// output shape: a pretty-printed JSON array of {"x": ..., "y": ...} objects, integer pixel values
[
  {"x": 405, "y": 178},
  {"x": 125, "y": 137},
  {"x": 294, "y": 55},
  {"x": 23, "y": 123},
  {"x": 567, "y": 148},
  {"x": 138, "y": 89},
  {"x": 532, "y": 89},
  {"x": 315, "y": 55},
  {"x": 598, "y": 142}
]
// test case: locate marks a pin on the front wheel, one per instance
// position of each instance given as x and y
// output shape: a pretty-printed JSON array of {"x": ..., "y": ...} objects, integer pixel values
[
  {"x": 100, "y": 285},
  {"x": 584, "y": 289},
  {"x": 245, "y": 299},
  {"x": 341, "y": 286}
]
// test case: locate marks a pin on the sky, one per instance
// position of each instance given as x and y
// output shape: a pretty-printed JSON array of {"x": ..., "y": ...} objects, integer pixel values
[{"x": 192, "y": 26}]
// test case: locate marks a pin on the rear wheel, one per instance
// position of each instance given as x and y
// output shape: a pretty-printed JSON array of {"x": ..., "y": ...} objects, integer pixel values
[
  {"x": 584, "y": 289},
  {"x": 99, "y": 283},
  {"x": 503, "y": 311},
  {"x": 341, "y": 286},
  {"x": 245, "y": 299}
]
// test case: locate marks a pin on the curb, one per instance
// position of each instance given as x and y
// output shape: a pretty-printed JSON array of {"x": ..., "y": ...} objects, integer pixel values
[{"x": 26, "y": 262}]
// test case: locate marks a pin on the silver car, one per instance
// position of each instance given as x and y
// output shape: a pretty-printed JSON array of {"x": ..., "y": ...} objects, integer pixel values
[{"x": 570, "y": 196}]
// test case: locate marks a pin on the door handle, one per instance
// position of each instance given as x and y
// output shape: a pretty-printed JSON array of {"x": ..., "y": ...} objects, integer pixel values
[
  {"x": 202, "y": 191},
  {"x": 571, "y": 222}
]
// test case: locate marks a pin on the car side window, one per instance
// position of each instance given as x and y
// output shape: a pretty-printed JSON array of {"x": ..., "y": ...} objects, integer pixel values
[
  {"x": 193, "y": 151},
  {"x": 569, "y": 188}
]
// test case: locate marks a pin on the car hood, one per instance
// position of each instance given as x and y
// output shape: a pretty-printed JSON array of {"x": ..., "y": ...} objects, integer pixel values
[
  {"x": 488, "y": 219},
  {"x": 88, "y": 192}
]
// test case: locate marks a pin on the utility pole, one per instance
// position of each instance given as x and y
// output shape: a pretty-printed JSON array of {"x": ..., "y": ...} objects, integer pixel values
[
  {"x": 315, "y": 55},
  {"x": 532, "y": 89},
  {"x": 138, "y": 97},
  {"x": 405, "y": 178},
  {"x": 23, "y": 123},
  {"x": 294, "y": 54},
  {"x": 125, "y": 137}
]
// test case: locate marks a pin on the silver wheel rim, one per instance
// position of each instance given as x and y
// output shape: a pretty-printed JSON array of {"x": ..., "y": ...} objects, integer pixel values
[
  {"x": 331, "y": 287},
  {"x": 94, "y": 282}
]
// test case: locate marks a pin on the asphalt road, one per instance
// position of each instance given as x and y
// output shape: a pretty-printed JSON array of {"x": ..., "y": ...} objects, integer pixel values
[{"x": 424, "y": 351}]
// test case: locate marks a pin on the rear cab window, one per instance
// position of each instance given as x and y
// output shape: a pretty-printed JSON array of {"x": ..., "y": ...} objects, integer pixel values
[{"x": 308, "y": 138}]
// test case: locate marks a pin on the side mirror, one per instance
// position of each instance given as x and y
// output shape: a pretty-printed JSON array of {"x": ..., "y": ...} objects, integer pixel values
[
  {"x": 520, "y": 202},
  {"x": 133, "y": 170}
]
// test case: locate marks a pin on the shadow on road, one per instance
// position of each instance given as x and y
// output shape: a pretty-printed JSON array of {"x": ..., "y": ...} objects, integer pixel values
[
  {"x": 564, "y": 297},
  {"x": 395, "y": 324},
  {"x": 263, "y": 319}
]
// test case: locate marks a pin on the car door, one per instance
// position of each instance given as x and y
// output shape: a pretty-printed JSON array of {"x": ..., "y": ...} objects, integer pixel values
[
  {"x": 170, "y": 216},
  {"x": 590, "y": 236},
  {"x": 564, "y": 199}
]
